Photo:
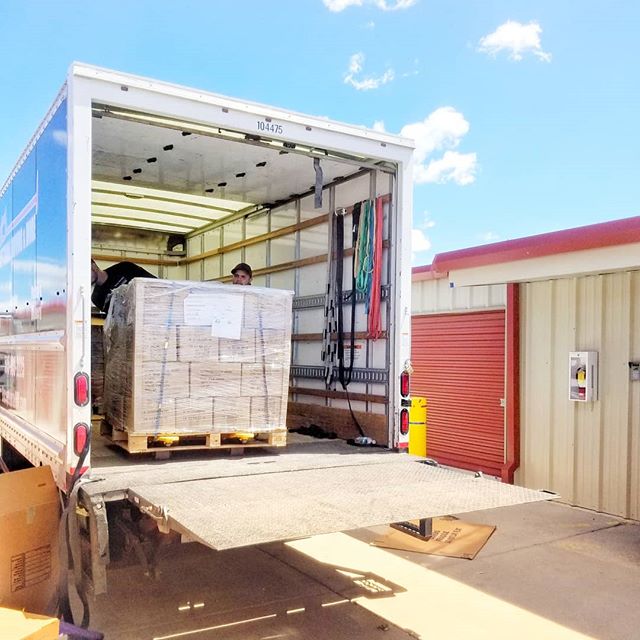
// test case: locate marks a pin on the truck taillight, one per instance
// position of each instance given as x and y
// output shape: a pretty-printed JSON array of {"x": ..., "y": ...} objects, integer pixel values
[
  {"x": 404, "y": 422},
  {"x": 81, "y": 389},
  {"x": 80, "y": 437},
  {"x": 404, "y": 384}
]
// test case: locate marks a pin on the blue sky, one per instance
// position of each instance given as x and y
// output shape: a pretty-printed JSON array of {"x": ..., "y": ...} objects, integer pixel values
[{"x": 525, "y": 112}]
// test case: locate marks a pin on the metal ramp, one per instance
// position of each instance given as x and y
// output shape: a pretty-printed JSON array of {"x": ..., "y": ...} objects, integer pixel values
[{"x": 293, "y": 502}]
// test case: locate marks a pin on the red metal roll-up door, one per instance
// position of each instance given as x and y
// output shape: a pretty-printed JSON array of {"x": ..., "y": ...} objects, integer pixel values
[{"x": 459, "y": 363}]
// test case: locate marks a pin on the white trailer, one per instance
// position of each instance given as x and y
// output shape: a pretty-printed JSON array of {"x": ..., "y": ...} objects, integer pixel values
[{"x": 127, "y": 168}]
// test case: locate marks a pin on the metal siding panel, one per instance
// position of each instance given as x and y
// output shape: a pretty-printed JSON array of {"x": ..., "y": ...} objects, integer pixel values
[
  {"x": 589, "y": 453},
  {"x": 431, "y": 296},
  {"x": 562, "y": 319},
  {"x": 614, "y": 393},
  {"x": 588, "y": 471},
  {"x": 535, "y": 375},
  {"x": 633, "y": 421},
  {"x": 459, "y": 362}
]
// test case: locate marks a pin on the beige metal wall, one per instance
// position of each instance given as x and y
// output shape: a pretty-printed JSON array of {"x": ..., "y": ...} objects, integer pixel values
[
  {"x": 433, "y": 296},
  {"x": 589, "y": 453}
]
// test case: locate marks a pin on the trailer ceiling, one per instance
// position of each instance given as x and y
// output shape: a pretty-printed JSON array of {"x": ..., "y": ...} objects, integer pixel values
[{"x": 176, "y": 177}]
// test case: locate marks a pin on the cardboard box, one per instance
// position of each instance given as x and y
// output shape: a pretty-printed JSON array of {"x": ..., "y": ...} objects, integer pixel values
[
  {"x": 159, "y": 382},
  {"x": 157, "y": 344},
  {"x": 266, "y": 312},
  {"x": 242, "y": 350},
  {"x": 194, "y": 414},
  {"x": 160, "y": 302},
  {"x": 156, "y": 417},
  {"x": 230, "y": 414},
  {"x": 267, "y": 414},
  {"x": 213, "y": 379},
  {"x": 262, "y": 380},
  {"x": 273, "y": 346},
  {"x": 29, "y": 562},
  {"x": 196, "y": 344},
  {"x": 20, "y": 625}
]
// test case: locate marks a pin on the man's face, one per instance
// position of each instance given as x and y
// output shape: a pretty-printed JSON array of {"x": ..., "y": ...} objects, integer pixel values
[{"x": 241, "y": 277}]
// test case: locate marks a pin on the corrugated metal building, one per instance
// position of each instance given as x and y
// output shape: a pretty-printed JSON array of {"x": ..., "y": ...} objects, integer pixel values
[{"x": 574, "y": 290}]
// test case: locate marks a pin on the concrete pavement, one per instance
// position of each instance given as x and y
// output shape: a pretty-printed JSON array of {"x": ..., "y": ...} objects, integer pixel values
[{"x": 549, "y": 571}]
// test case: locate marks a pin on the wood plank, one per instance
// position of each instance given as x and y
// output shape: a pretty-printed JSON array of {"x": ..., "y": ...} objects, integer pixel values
[
  {"x": 342, "y": 395},
  {"x": 337, "y": 420},
  {"x": 278, "y": 233},
  {"x": 315, "y": 337}
]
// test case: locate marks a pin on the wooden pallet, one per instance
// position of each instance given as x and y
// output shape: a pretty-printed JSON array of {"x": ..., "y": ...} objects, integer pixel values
[{"x": 158, "y": 443}]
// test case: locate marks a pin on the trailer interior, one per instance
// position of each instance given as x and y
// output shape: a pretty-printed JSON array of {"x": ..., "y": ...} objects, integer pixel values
[{"x": 188, "y": 202}]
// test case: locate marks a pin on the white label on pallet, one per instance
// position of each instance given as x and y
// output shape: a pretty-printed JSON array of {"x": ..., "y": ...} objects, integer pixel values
[
  {"x": 223, "y": 314},
  {"x": 226, "y": 321}
]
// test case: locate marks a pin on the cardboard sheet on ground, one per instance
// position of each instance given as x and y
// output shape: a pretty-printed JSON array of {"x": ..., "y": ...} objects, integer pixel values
[
  {"x": 450, "y": 537},
  {"x": 20, "y": 625}
]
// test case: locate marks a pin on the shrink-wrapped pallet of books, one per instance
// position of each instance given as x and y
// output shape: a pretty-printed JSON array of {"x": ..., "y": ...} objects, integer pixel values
[{"x": 197, "y": 358}]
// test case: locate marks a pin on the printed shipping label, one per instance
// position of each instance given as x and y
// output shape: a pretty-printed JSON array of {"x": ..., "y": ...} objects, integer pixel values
[{"x": 30, "y": 568}]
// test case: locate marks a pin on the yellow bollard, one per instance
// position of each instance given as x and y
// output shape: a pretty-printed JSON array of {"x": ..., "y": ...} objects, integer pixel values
[{"x": 418, "y": 427}]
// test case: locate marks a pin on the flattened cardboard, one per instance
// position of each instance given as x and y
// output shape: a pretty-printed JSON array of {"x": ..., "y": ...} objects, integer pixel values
[
  {"x": 450, "y": 537},
  {"x": 20, "y": 625},
  {"x": 29, "y": 516}
]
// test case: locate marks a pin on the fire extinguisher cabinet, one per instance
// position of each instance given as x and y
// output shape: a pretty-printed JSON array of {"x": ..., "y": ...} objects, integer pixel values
[{"x": 583, "y": 376}]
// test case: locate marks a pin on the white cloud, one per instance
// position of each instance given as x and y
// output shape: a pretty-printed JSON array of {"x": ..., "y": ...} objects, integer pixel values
[
  {"x": 368, "y": 82},
  {"x": 419, "y": 241},
  {"x": 427, "y": 222},
  {"x": 378, "y": 125},
  {"x": 398, "y": 4},
  {"x": 355, "y": 62},
  {"x": 441, "y": 130},
  {"x": 516, "y": 39},
  {"x": 340, "y": 5},
  {"x": 451, "y": 167},
  {"x": 490, "y": 236},
  {"x": 370, "y": 25}
]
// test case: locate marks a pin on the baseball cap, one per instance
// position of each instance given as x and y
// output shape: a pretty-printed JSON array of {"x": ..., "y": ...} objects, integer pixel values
[{"x": 242, "y": 266}]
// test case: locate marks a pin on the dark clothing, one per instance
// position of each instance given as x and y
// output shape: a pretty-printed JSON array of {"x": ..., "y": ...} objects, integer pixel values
[{"x": 118, "y": 274}]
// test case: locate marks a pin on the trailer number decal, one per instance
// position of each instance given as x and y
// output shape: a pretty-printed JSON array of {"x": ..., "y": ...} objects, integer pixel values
[{"x": 270, "y": 127}]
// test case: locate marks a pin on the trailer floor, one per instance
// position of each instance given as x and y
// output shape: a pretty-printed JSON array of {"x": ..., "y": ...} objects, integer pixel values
[{"x": 549, "y": 571}]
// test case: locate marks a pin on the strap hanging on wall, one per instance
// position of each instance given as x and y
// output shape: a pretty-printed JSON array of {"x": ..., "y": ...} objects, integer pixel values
[
  {"x": 374, "y": 325},
  {"x": 366, "y": 276}
]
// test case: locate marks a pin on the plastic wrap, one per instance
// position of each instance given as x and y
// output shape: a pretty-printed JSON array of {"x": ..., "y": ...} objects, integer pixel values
[
  {"x": 187, "y": 357},
  {"x": 97, "y": 368}
]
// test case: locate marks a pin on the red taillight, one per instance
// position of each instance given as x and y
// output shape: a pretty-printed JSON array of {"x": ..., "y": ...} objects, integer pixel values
[
  {"x": 80, "y": 437},
  {"x": 404, "y": 422},
  {"x": 404, "y": 384},
  {"x": 81, "y": 389}
]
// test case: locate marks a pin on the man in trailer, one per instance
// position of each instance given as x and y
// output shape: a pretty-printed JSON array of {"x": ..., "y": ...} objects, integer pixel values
[
  {"x": 105, "y": 281},
  {"x": 242, "y": 274}
]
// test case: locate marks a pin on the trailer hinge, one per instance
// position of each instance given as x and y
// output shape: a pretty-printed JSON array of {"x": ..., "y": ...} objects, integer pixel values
[{"x": 160, "y": 515}]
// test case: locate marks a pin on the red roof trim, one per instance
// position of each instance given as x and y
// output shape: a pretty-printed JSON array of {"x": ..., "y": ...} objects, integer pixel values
[
  {"x": 425, "y": 272},
  {"x": 595, "y": 236}
]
